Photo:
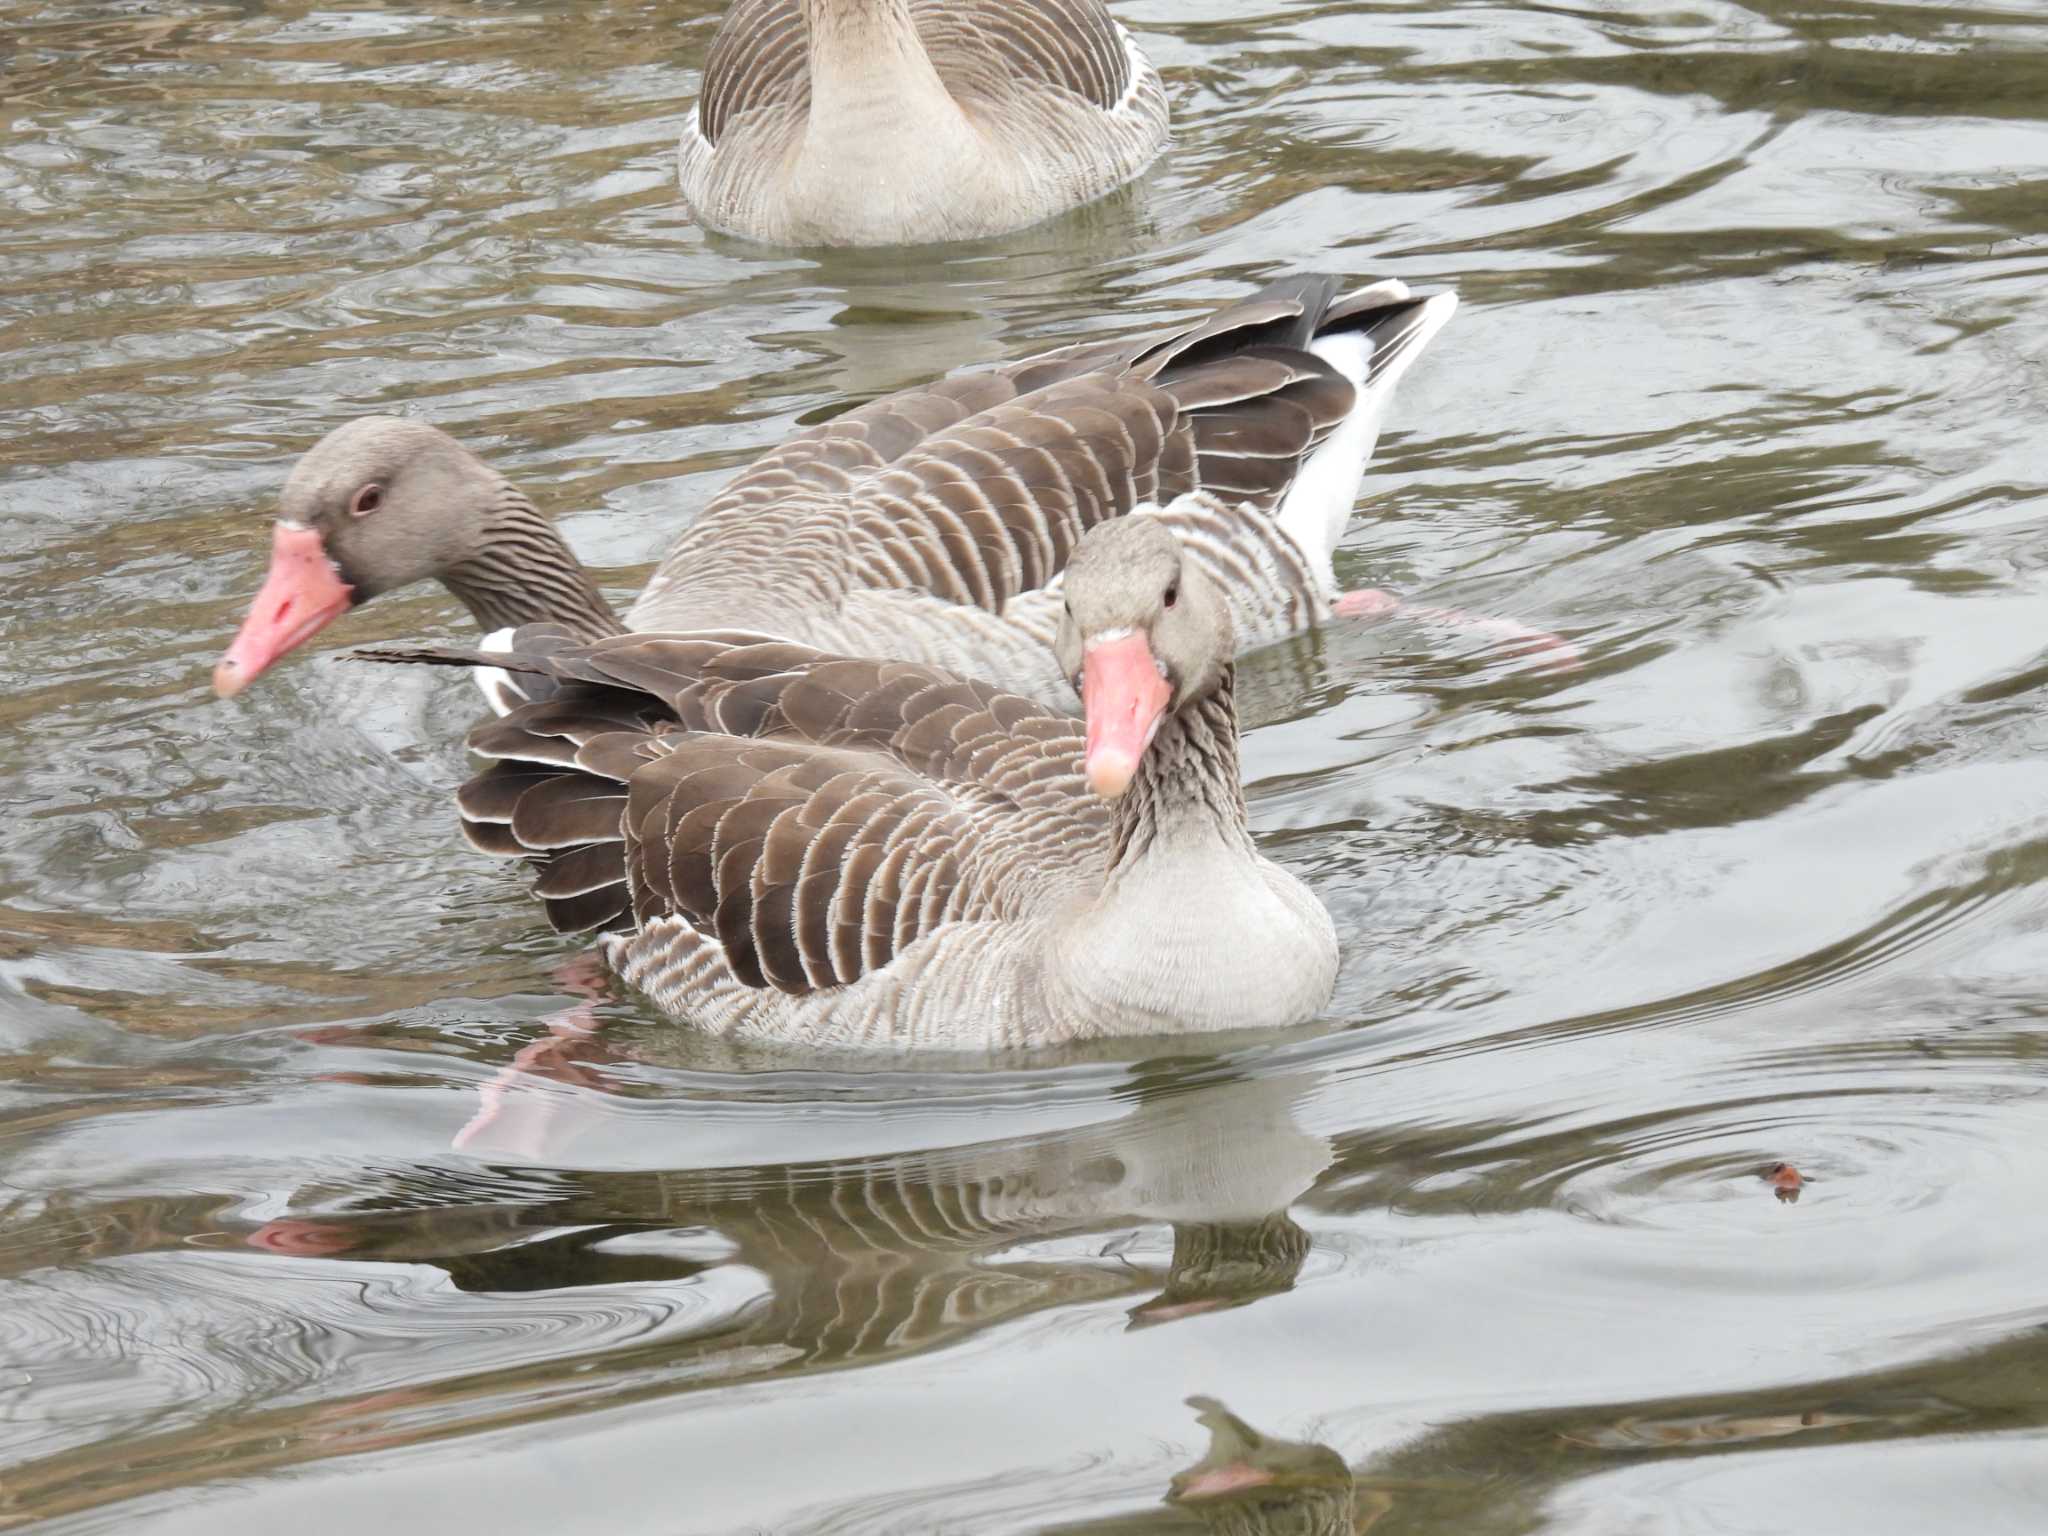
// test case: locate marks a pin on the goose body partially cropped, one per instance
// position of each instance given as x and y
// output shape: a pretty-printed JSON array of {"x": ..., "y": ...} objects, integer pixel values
[
  {"x": 932, "y": 525},
  {"x": 887, "y": 122},
  {"x": 780, "y": 843}
]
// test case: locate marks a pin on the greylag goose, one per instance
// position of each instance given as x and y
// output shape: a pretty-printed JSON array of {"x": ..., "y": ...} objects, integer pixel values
[
  {"x": 899, "y": 122},
  {"x": 931, "y": 525},
  {"x": 781, "y": 844}
]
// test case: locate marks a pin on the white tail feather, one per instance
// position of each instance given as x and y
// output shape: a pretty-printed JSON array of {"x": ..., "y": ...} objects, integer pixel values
[{"x": 1319, "y": 503}]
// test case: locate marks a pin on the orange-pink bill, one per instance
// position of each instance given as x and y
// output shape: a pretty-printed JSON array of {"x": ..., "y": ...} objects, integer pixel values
[
  {"x": 1124, "y": 698},
  {"x": 301, "y": 596}
]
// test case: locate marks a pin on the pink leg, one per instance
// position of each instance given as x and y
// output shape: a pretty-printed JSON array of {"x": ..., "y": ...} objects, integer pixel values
[
  {"x": 585, "y": 975},
  {"x": 519, "y": 1106},
  {"x": 1367, "y": 603},
  {"x": 1515, "y": 639}
]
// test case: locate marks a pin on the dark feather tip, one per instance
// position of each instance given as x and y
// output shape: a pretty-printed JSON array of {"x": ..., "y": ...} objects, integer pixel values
[{"x": 445, "y": 656}]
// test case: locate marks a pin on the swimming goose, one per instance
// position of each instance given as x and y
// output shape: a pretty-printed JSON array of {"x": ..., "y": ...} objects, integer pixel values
[
  {"x": 898, "y": 122},
  {"x": 783, "y": 844},
  {"x": 931, "y": 525}
]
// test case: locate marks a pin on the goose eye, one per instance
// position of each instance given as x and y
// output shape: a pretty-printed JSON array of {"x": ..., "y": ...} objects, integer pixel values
[
  {"x": 368, "y": 500},
  {"x": 1172, "y": 595}
]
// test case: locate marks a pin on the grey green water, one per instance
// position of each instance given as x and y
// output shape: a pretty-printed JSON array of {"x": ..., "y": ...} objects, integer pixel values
[{"x": 1748, "y": 400}]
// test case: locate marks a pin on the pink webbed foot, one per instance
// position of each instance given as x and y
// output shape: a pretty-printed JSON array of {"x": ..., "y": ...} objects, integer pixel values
[
  {"x": 1555, "y": 653},
  {"x": 585, "y": 975},
  {"x": 1366, "y": 603}
]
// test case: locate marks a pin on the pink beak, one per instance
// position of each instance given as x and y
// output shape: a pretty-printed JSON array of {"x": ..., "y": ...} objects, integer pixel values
[
  {"x": 301, "y": 596},
  {"x": 1124, "y": 698}
]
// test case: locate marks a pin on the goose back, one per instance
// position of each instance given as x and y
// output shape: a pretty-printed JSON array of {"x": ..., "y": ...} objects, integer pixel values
[
  {"x": 780, "y": 843},
  {"x": 934, "y": 524},
  {"x": 775, "y": 839}
]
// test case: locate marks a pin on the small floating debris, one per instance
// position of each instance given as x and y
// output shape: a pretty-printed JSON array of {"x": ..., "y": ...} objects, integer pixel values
[{"x": 1785, "y": 1181}]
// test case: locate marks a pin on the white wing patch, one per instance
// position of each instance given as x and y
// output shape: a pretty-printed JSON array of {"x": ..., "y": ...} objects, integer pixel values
[{"x": 500, "y": 691}]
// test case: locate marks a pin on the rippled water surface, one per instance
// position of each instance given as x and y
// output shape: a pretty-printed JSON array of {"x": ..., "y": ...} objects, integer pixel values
[{"x": 1748, "y": 400}]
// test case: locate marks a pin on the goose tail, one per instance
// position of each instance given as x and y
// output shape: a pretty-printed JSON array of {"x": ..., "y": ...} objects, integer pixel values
[
  {"x": 1372, "y": 337},
  {"x": 554, "y": 789}
]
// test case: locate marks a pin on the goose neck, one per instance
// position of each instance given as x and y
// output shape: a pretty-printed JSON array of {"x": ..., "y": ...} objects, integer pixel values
[
  {"x": 523, "y": 572},
  {"x": 1186, "y": 792},
  {"x": 869, "y": 68},
  {"x": 836, "y": 27}
]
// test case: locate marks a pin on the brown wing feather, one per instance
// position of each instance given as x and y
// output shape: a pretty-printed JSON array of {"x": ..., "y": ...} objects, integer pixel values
[
  {"x": 989, "y": 479},
  {"x": 814, "y": 814},
  {"x": 976, "y": 489},
  {"x": 831, "y": 456}
]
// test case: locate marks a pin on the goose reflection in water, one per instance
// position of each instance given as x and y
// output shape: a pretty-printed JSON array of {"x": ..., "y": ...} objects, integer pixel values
[
  {"x": 1503, "y": 1472},
  {"x": 1249, "y": 1484},
  {"x": 872, "y": 1258},
  {"x": 1524, "y": 1469}
]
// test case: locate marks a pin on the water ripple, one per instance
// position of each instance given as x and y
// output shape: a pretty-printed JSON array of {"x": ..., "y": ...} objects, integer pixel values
[{"x": 1738, "y": 400}]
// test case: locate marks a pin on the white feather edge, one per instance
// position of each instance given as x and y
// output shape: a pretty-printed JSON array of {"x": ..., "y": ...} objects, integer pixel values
[{"x": 1139, "y": 65}]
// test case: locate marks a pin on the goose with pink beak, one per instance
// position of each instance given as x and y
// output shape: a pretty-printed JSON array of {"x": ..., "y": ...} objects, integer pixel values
[
  {"x": 1189, "y": 909},
  {"x": 929, "y": 526},
  {"x": 779, "y": 842}
]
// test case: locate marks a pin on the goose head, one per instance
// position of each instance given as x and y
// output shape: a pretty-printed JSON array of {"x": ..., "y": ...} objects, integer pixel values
[
  {"x": 376, "y": 505},
  {"x": 1143, "y": 635}
]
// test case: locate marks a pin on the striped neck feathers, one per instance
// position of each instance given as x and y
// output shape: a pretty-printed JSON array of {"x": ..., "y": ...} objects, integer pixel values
[
  {"x": 1187, "y": 784},
  {"x": 523, "y": 572}
]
